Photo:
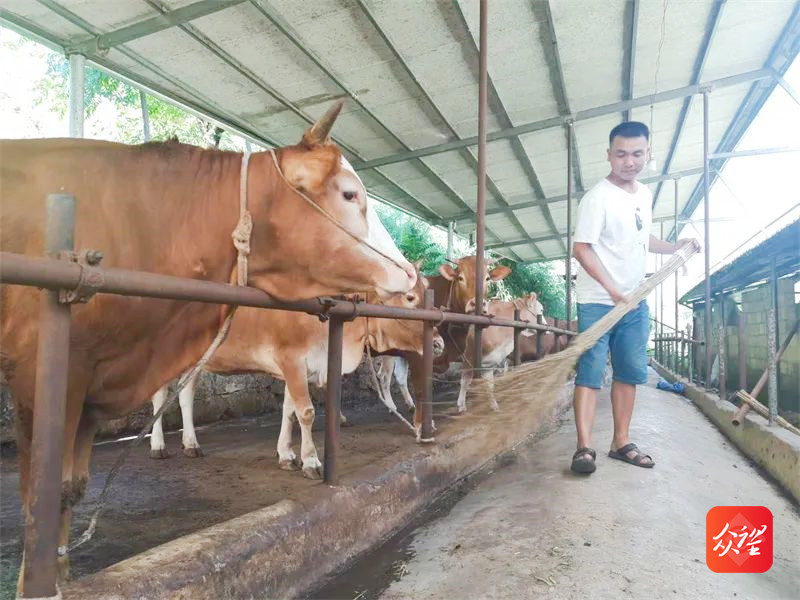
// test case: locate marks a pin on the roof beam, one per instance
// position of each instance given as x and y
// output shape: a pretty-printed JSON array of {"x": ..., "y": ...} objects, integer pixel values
[
  {"x": 550, "y": 45},
  {"x": 582, "y": 115},
  {"x": 243, "y": 70},
  {"x": 788, "y": 88},
  {"x": 711, "y": 29},
  {"x": 189, "y": 103},
  {"x": 465, "y": 153},
  {"x": 502, "y": 115},
  {"x": 150, "y": 26},
  {"x": 562, "y": 197},
  {"x": 632, "y": 31},
  {"x": 784, "y": 52},
  {"x": 288, "y": 31}
]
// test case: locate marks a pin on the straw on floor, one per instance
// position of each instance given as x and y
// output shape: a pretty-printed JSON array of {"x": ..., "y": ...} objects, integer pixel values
[{"x": 529, "y": 381}]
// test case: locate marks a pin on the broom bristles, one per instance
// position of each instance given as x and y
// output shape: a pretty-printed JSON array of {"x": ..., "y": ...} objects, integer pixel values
[{"x": 549, "y": 374}]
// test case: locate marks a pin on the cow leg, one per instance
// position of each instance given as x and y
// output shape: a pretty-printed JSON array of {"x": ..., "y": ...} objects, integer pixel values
[
  {"x": 488, "y": 377},
  {"x": 385, "y": 372},
  {"x": 466, "y": 379},
  {"x": 74, "y": 487},
  {"x": 287, "y": 460},
  {"x": 191, "y": 447},
  {"x": 158, "y": 448},
  {"x": 401, "y": 375}
]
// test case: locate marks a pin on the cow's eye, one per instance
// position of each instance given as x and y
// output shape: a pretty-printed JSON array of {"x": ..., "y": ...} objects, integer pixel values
[
  {"x": 350, "y": 196},
  {"x": 411, "y": 297}
]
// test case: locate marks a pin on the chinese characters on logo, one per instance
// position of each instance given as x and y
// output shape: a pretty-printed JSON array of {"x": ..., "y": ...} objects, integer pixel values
[{"x": 739, "y": 539}]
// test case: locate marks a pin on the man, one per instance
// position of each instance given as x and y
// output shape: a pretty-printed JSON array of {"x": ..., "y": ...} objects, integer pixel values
[{"x": 611, "y": 241}]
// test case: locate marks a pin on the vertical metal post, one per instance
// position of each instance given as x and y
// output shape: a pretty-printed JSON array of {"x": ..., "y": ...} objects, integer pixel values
[
  {"x": 539, "y": 335},
  {"x": 742, "y": 352},
  {"x": 692, "y": 351},
  {"x": 145, "y": 115},
  {"x": 772, "y": 343},
  {"x": 723, "y": 388},
  {"x": 517, "y": 350},
  {"x": 49, "y": 412},
  {"x": 333, "y": 400},
  {"x": 661, "y": 306},
  {"x": 77, "y": 71},
  {"x": 569, "y": 224},
  {"x": 483, "y": 81},
  {"x": 426, "y": 406},
  {"x": 707, "y": 243},
  {"x": 677, "y": 327},
  {"x": 451, "y": 230}
]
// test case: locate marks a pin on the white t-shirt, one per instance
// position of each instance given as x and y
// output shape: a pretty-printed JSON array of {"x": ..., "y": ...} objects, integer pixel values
[{"x": 617, "y": 225}]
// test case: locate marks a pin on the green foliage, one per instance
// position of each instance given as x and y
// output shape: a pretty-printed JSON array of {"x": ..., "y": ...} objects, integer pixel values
[
  {"x": 414, "y": 238},
  {"x": 166, "y": 120},
  {"x": 539, "y": 278}
]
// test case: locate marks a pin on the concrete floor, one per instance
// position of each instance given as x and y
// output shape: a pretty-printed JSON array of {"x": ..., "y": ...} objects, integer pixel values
[{"x": 532, "y": 529}]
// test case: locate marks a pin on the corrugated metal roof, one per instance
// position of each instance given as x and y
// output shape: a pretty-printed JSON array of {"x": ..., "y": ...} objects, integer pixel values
[
  {"x": 408, "y": 71},
  {"x": 755, "y": 265}
]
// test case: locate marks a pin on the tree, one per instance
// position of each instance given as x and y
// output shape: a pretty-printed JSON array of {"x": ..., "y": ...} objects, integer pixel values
[{"x": 166, "y": 120}]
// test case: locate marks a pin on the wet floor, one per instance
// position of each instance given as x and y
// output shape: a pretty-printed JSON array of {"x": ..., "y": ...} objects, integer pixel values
[{"x": 526, "y": 527}]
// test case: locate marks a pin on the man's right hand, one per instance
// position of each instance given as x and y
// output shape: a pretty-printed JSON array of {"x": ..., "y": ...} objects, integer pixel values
[{"x": 618, "y": 297}]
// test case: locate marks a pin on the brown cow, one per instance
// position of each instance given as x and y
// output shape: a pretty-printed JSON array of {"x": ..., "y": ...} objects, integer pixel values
[
  {"x": 528, "y": 344},
  {"x": 496, "y": 343},
  {"x": 294, "y": 347},
  {"x": 454, "y": 291},
  {"x": 170, "y": 208}
]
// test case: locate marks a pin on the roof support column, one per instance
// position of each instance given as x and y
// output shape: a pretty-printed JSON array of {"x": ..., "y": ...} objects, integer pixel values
[
  {"x": 145, "y": 115},
  {"x": 483, "y": 87},
  {"x": 569, "y": 225},
  {"x": 77, "y": 70},
  {"x": 706, "y": 244},
  {"x": 451, "y": 229},
  {"x": 675, "y": 213}
]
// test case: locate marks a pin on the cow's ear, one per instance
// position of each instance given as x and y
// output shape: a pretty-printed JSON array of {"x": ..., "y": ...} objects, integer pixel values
[
  {"x": 307, "y": 169},
  {"x": 499, "y": 273},
  {"x": 447, "y": 272},
  {"x": 319, "y": 133}
]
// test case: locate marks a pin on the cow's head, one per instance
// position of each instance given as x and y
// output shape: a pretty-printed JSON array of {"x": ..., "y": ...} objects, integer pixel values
[
  {"x": 530, "y": 307},
  {"x": 396, "y": 334},
  {"x": 462, "y": 278},
  {"x": 299, "y": 252}
]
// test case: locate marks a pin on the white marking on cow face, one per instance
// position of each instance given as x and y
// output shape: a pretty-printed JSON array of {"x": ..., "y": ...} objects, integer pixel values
[{"x": 395, "y": 279}]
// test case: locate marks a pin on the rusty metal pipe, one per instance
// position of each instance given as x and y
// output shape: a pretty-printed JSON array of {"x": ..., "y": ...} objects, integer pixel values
[
  {"x": 706, "y": 244},
  {"x": 426, "y": 406},
  {"x": 483, "y": 87},
  {"x": 744, "y": 409},
  {"x": 54, "y": 274},
  {"x": 742, "y": 351},
  {"x": 333, "y": 404},
  {"x": 568, "y": 265},
  {"x": 47, "y": 443},
  {"x": 517, "y": 350}
]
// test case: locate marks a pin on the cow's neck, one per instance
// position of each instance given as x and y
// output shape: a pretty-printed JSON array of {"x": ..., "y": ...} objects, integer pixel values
[{"x": 444, "y": 293}]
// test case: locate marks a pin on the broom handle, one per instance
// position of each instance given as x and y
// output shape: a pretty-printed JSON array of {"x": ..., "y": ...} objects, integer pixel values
[{"x": 745, "y": 408}]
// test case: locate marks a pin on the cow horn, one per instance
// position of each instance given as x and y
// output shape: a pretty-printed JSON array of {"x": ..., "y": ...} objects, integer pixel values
[{"x": 319, "y": 131}]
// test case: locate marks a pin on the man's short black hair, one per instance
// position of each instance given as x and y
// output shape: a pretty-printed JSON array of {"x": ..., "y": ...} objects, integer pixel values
[{"x": 629, "y": 129}]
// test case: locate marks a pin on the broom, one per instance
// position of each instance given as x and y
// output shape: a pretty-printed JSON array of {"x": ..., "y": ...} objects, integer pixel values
[{"x": 549, "y": 374}]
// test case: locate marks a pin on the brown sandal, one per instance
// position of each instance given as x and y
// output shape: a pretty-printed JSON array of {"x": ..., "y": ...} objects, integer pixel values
[
  {"x": 638, "y": 459},
  {"x": 581, "y": 464}
]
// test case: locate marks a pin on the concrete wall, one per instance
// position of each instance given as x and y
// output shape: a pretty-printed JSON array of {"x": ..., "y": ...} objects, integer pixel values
[
  {"x": 753, "y": 307},
  {"x": 217, "y": 397}
]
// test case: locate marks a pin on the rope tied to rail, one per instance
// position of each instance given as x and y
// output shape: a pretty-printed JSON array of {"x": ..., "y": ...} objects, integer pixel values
[
  {"x": 531, "y": 380},
  {"x": 241, "y": 241}
]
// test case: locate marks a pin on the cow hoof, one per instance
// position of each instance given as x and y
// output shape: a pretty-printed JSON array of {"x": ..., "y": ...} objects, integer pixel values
[
  {"x": 343, "y": 421},
  {"x": 462, "y": 409},
  {"x": 195, "y": 452},
  {"x": 433, "y": 425},
  {"x": 494, "y": 407},
  {"x": 312, "y": 472},
  {"x": 289, "y": 464},
  {"x": 159, "y": 454}
]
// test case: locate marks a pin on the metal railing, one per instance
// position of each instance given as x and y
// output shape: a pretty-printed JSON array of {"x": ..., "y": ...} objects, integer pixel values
[{"x": 61, "y": 278}]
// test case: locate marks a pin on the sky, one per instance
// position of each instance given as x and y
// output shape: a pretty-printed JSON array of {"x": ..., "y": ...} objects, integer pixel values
[{"x": 745, "y": 201}]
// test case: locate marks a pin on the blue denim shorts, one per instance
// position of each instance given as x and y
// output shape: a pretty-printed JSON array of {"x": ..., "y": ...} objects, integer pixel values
[{"x": 627, "y": 341}]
